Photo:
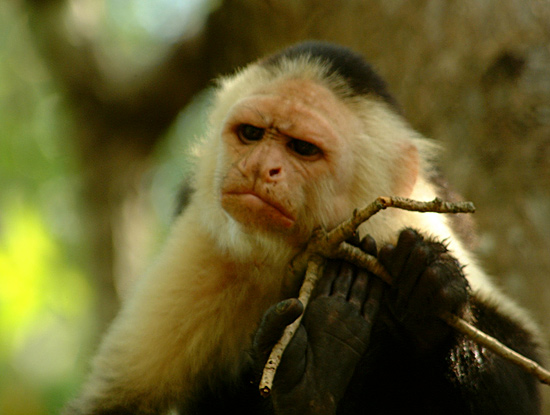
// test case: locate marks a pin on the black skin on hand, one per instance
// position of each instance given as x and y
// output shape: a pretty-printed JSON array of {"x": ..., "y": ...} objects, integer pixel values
[
  {"x": 334, "y": 335},
  {"x": 427, "y": 281}
]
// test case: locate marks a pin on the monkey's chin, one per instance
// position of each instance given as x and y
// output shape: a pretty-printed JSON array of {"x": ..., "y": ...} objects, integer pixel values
[{"x": 254, "y": 213}]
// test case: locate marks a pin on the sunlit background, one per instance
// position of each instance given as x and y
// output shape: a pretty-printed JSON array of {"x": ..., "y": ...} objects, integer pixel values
[{"x": 45, "y": 295}]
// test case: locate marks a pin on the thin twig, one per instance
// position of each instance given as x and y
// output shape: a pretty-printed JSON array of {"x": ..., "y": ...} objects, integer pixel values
[
  {"x": 315, "y": 269},
  {"x": 346, "y": 229},
  {"x": 530, "y": 366},
  {"x": 332, "y": 245},
  {"x": 371, "y": 264}
]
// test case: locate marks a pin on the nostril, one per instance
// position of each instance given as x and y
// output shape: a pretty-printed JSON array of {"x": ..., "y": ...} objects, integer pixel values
[{"x": 274, "y": 172}]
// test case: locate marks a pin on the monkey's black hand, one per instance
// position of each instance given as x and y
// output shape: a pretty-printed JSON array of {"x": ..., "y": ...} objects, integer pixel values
[
  {"x": 427, "y": 281},
  {"x": 318, "y": 363}
]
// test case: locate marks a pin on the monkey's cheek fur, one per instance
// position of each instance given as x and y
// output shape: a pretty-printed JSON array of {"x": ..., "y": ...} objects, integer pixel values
[{"x": 252, "y": 211}]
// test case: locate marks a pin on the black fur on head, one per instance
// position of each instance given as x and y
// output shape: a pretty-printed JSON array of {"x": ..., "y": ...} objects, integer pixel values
[{"x": 349, "y": 65}]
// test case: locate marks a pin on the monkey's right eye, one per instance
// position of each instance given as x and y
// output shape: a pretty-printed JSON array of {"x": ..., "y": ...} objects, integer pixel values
[{"x": 248, "y": 133}]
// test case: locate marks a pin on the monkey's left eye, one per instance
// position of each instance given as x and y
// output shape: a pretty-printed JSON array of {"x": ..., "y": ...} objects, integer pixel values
[
  {"x": 248, "y": 132},
  {"x": 303, "y": 148}
]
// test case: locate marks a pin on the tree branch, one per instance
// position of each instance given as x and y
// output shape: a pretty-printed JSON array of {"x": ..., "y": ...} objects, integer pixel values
[
  {"x": 332, "y": 245},
  {"x": 497, "y": 347},
  {"x": 315, "y": 268}
]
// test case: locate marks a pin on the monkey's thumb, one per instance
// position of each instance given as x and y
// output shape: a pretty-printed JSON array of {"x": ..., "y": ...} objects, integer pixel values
[{"x": 274, "y": 321}]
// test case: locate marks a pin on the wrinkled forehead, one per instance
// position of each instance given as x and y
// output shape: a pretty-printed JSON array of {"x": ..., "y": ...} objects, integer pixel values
[
  {"x": 296, "y": 84},
  {"x": 299, "y": 107},
  {"x": 306, "y": 93}
]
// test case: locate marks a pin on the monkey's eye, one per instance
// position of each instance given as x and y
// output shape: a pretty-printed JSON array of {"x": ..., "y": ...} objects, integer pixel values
[
  {"x": 303, "y": 148},
  {"x": 248, "y": 133}
]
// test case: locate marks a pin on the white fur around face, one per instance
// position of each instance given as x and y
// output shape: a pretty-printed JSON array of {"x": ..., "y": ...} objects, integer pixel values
[{"x": 389, "y": 159}]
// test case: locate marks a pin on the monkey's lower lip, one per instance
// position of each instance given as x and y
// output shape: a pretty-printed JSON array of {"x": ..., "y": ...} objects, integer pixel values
[{"x": 272, "y": 210}]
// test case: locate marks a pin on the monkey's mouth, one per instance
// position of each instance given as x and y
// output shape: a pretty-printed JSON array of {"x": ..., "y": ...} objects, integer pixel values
[{"x": 250, "y": 208}]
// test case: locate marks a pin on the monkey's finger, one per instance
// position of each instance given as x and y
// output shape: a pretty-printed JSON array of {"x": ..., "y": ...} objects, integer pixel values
[
  {"x": 372, "y": 304},
  {"x": 394, "y": 257},
  {"x": 359, "y": 289},
  {"x": 368, "y": 244},
  {"x": 406, "y": 282},
  {"x": 354, "y": 240},
  {"x": 324, "y": 285},
  {"x": 274, "y": 321},
  {"x": 342, "y": 284}
]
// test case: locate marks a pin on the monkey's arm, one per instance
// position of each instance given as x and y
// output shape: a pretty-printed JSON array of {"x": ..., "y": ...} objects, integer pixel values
[
  {"x": 480, "y": 375},
  {"x": 428, "y": 364}
]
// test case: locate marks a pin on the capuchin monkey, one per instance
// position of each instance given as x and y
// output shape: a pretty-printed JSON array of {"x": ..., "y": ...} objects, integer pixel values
[{"x": 297, "y": 141}]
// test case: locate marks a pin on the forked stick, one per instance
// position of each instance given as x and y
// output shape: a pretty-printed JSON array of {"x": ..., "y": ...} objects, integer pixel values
[{"x": 332, "y": 245}]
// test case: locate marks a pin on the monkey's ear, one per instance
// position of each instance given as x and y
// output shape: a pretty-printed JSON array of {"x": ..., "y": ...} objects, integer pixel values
[{"x": 406, "y": 167}]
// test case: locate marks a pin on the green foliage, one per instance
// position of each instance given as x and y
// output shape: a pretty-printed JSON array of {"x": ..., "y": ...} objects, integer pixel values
[
  {"x": 45, "y": 296},
  {"x": 45, "y": 299}
]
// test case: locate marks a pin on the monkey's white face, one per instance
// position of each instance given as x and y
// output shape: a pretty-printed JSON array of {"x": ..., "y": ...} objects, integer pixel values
[{"x": 286, "y": 149}]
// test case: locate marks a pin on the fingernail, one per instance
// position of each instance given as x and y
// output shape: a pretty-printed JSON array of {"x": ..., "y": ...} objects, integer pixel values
[{"x": 283, "y": 306}]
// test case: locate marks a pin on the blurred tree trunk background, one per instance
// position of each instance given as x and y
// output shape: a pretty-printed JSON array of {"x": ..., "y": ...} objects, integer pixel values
[{"x": 472, "y": 74}]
